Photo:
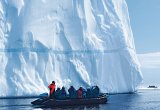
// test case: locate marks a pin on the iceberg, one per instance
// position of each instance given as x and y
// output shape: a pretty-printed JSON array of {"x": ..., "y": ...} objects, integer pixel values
[{"x": 73, "y": 42}]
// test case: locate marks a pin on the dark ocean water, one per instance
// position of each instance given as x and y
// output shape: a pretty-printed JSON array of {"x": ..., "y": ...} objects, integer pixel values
[{"x": 142, "y": 100}]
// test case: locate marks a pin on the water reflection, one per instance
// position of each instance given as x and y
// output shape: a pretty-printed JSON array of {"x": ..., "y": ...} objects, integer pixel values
[{"x": 88, "y": 107}]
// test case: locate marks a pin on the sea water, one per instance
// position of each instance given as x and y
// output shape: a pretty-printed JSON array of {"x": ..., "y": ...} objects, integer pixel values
[{"x": 143, "y": 99}]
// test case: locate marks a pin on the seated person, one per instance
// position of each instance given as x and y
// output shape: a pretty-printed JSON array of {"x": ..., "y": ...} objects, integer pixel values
[
  {"x": 72, "y": 92},
  {"x": 89, "y": 93},
  {"x": 84, "y": 93},
  {"x": 57, "y": 93},
  {"x": 63, "y": 94},
  {"x": 95, "y": 91},
  {"x": 80, "y": 92}
]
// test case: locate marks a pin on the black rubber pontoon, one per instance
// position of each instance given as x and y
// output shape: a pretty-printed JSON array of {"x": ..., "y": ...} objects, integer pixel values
[{"x": 46, "y": 102}]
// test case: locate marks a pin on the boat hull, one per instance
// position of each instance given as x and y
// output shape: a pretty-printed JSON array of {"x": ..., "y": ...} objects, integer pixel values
[{"x": 69, "y": 102}]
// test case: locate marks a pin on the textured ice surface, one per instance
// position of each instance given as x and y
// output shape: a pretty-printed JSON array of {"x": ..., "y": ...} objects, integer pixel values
[{"x": 74, "y": 42}]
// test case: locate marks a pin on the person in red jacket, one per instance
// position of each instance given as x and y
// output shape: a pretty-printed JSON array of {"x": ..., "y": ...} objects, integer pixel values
[
  {"x": 52, "y": 88},
  {"x": 80, "y": 92}
]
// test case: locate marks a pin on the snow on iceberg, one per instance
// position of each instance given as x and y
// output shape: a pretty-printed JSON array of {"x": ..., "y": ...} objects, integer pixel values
[{"x": 74, "y": 42}]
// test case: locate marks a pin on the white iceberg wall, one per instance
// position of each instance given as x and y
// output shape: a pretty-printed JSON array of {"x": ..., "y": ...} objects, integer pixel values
[{"x": 74, "y": 42}]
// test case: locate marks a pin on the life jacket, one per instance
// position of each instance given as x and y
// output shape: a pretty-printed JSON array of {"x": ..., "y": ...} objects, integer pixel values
[
  {"x": 80, "y": 93},
  {"x": 52, "y": 87}
]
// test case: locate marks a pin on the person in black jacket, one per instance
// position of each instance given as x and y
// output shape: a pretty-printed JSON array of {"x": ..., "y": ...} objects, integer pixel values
[
  {"x": 63, "y": 93},
  {"x": 72, "y": 92}
]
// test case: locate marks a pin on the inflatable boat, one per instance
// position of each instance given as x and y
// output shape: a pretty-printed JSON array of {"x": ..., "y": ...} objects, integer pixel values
[{"x": 47, "y": 102}]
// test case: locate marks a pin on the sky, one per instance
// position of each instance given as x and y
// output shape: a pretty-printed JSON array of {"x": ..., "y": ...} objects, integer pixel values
[{"x": 145, "y": 24}]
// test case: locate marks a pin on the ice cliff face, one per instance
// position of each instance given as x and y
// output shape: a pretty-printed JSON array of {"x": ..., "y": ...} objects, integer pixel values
[{"x": 74, "y": 42}]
